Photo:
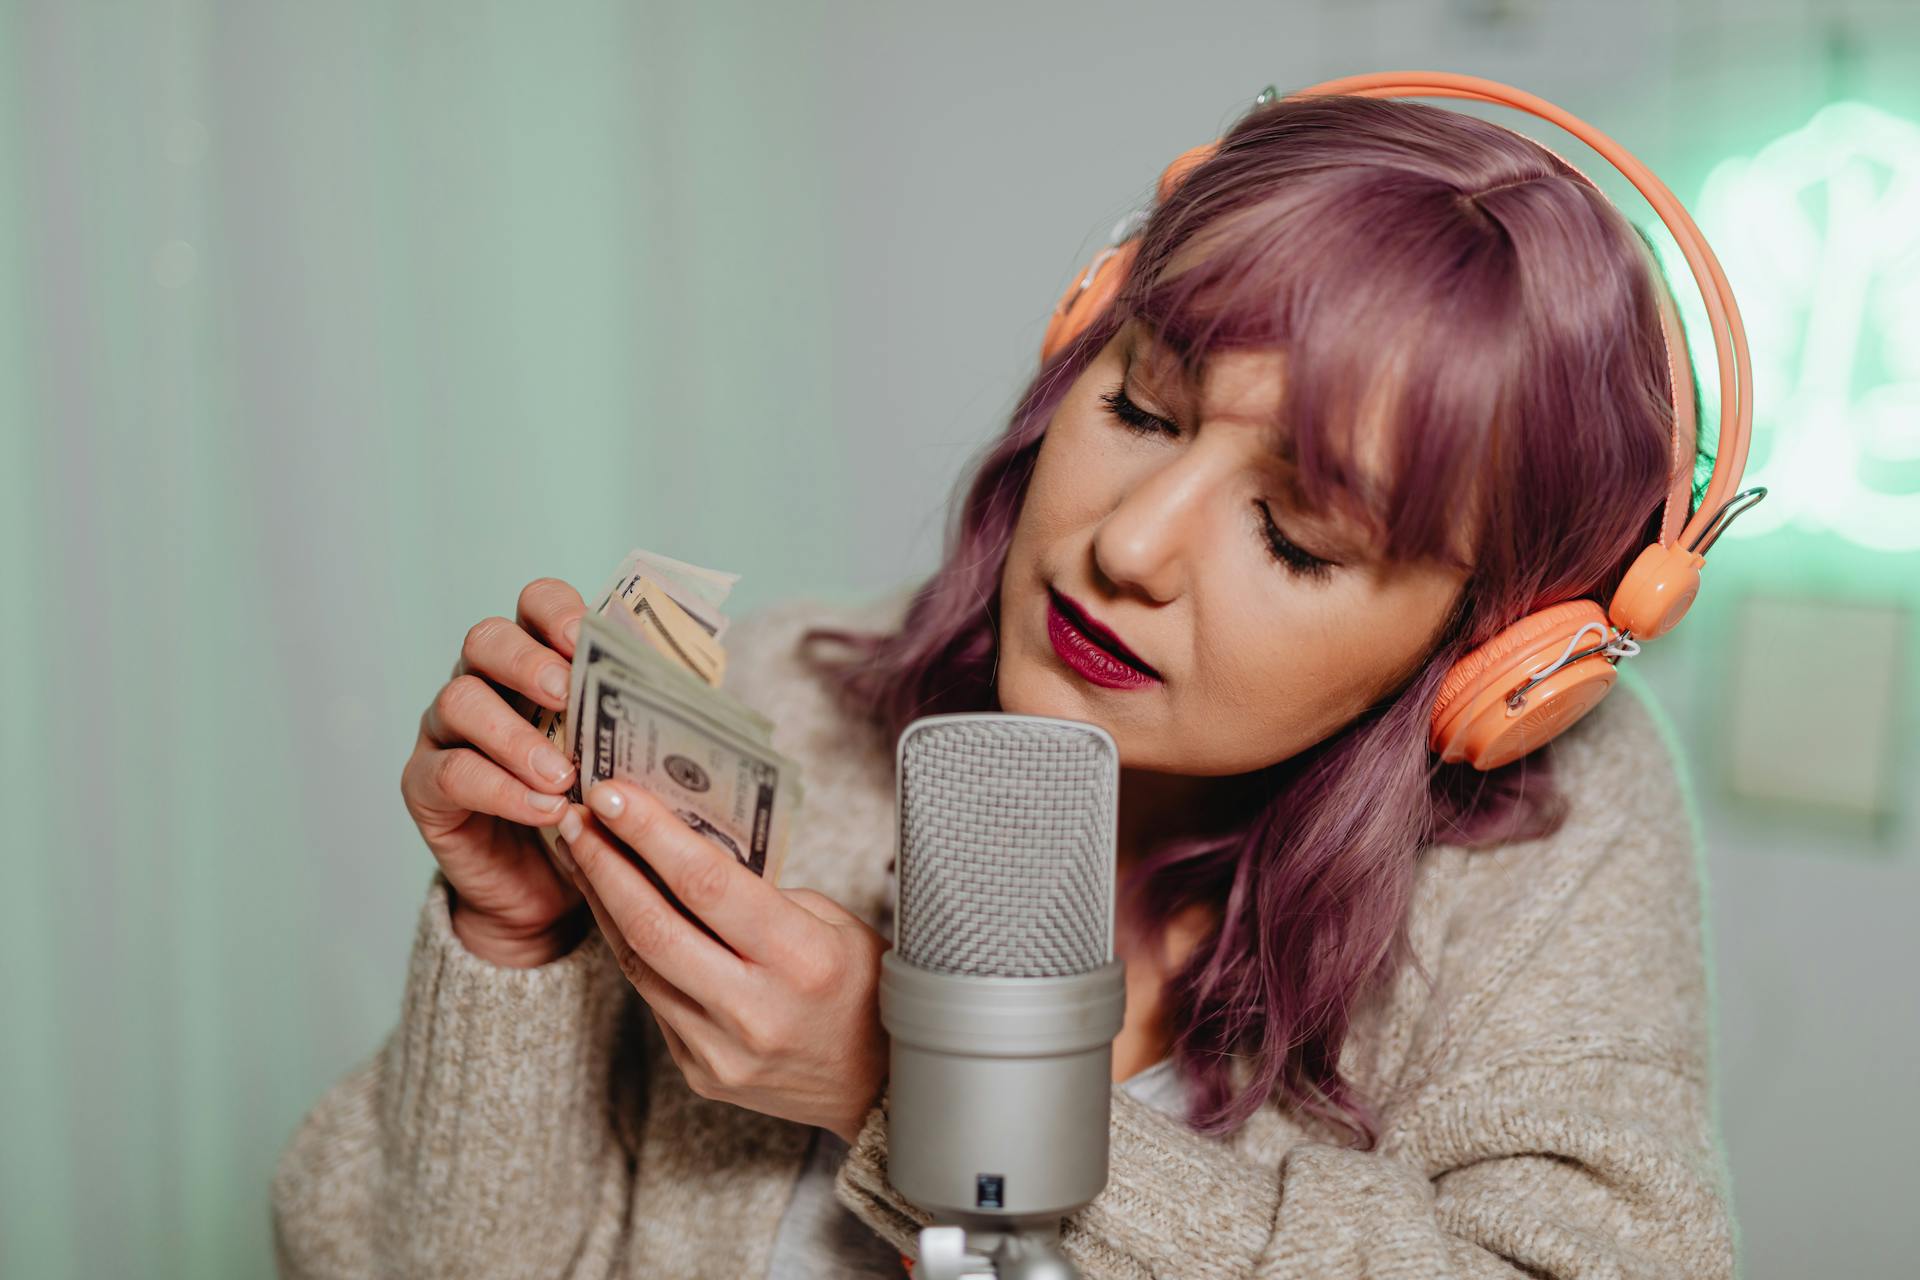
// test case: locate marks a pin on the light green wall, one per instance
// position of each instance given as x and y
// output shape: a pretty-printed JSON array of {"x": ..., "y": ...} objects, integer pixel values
[{"x": 474, "y": 293}]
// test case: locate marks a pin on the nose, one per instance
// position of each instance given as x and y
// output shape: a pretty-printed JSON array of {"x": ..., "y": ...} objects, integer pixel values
[{"x": 1146, "y": 542}]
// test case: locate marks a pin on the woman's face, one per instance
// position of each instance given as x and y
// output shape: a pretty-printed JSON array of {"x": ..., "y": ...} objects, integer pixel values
[{"x": 1248, "y": 652}]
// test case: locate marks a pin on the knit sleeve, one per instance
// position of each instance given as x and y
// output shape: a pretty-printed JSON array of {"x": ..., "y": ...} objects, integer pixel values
[
  {"x": 486, "y": 1137},
  {"x": 1571, "y": 1159},
  {"x": 1557, "y": 1123}
]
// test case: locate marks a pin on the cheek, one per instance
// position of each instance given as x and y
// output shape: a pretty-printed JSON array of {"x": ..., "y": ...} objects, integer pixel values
[
  {"x": 1295, "y": 669},
  {"x": 1064, "y": 498},
  {"x": 1067, "y": 489},
  {"x": 1277, "y": 673}
]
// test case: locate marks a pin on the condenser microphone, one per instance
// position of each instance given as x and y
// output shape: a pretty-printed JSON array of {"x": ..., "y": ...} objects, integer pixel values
[{"x": 1001, "y": 994}]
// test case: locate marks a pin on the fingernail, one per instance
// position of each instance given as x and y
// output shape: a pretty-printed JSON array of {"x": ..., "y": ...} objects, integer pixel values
[
  {"x": 544, "y": 802},
  {"x": 606, "y": 801},
  {"x": 554, "y": 681},
  {"x": 564, "y": 856},
  {"x": 570, "y": 826},
  {"x": 572, "y": 632},
  {"x": 550, "y": 762}
]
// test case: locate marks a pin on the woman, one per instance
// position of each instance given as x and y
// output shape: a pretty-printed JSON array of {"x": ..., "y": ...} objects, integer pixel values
[{"x": 1381, "y": 378}]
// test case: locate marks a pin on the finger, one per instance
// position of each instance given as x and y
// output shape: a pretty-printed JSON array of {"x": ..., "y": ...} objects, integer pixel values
[
  {"x": 819, "y": 905},
  {"x": 502, "y": 652},
  {"x": 552, "y": 609},
  {"x": 676, "y": 1044},
  {"x": 467, "y": 711},
  {"x": 461, "y": 780},
  {"x": 750, "y": 915},
  {"x": 668, "y": 943},
  {"x": 671, "y": 1006}
]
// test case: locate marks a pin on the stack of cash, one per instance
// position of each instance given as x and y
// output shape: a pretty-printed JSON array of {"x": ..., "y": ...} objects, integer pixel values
[{"x": 646, "y": 705}]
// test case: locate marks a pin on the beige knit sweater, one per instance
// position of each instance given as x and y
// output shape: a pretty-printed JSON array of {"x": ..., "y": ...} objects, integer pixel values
[{"x": 1545, "y": 1107}]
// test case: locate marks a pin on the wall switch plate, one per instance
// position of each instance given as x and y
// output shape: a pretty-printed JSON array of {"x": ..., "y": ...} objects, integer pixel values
[{"x": 1816, "y": 706}]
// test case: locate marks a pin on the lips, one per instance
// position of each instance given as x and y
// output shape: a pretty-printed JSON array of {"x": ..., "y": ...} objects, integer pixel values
[{"x": 1092, "y": 649}]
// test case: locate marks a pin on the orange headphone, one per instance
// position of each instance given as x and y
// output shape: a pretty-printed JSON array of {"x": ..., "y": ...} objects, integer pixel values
[{"x": 1532, "y": 680}]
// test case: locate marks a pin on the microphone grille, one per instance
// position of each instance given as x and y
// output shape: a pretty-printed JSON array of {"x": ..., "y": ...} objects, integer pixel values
[{"x": 1006, "y": 863}]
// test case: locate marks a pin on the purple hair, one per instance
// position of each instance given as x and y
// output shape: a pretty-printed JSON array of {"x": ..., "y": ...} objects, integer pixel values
[{"x": 1510, "y": 309}]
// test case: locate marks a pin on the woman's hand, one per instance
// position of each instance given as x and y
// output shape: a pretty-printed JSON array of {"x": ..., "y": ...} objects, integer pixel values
[
  {"x": 783, "y": 1018},
  {"x": 481, "y": 778}
]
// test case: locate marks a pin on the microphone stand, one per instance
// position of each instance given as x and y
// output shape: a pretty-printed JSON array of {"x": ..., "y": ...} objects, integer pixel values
[{"x": 993, "y": 1253}]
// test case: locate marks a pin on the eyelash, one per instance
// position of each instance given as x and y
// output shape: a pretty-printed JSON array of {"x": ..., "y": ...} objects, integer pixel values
[{"x": 1285, "y": 553}]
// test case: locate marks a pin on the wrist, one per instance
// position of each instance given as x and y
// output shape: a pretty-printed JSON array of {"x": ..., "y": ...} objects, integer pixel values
[
  {"x": 851, "y": 1133},
  {"x": 511, "y": 947},
  {"x": 849, "y": 1127}
]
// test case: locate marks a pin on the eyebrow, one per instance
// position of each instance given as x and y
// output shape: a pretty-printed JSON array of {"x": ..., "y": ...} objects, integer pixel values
[{"x": 1371, "y": 495}]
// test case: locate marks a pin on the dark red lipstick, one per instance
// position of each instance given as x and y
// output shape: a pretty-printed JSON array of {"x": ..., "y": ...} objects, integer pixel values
[{"x": 1092, "y": 649}]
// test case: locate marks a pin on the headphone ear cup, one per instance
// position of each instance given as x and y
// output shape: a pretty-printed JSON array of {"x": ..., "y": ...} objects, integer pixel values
[
  {"x": 1092, "y": 289},
  {"x": 1471, "y": 720},
  {"x": 1657, "y": 591}
]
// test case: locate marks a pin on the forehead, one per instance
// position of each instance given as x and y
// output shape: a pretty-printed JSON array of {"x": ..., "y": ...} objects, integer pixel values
[
  {"x": 1247, "y": 388},
  {"x": 1354, "y": 454},
  {"x": 1242, "y": 386}
]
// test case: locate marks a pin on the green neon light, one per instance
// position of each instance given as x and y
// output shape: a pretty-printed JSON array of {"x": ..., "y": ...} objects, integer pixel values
[{"x": 1819, "y": 234}]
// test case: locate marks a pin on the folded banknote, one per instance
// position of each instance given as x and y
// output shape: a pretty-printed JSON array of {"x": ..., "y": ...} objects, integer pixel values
[{"x": 645, "y": 705}]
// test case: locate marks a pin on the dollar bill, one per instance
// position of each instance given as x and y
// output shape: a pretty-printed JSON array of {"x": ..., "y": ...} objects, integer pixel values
[
  {"x": 655, "y": 617},
  {"x": 719, "y": 778},
  {"x": 700, "y": 592},
  {"x": 644, "y": 705}
]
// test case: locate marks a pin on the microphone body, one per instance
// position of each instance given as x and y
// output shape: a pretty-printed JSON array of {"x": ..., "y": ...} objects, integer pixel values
[
  {"x": 1001, "y": 994},
  {"x": 1000, "y": 1101}
]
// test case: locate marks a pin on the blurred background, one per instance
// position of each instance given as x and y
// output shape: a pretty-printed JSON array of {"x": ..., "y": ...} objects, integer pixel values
[{"x": 326, "y": 327}]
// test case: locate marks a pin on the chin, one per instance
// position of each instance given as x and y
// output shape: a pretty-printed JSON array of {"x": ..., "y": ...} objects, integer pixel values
[
  {"x": 1026, "y": 686},
  {"x": 1022, "y": 690}
]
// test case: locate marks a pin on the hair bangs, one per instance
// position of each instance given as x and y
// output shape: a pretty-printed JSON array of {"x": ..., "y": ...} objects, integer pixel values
[{"x": 1395, "y": 315}]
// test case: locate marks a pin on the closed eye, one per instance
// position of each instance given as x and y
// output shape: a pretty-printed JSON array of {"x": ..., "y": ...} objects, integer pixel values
[
  {"x": 1133, "y": 417},
  {"x": 1291, "y": 557}
]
